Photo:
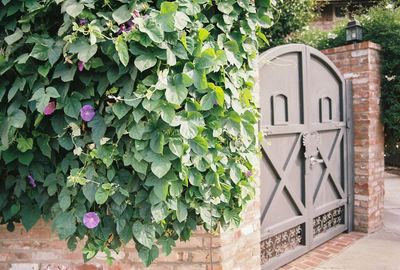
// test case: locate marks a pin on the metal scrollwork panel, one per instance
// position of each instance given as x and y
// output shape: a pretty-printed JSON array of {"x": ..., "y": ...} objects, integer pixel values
[
  {"x": 280, "y": 243},
  {"x": 329, "y": 220}
]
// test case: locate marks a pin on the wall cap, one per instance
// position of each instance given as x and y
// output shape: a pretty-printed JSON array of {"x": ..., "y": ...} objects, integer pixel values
[{"x": 354, "y": 47}]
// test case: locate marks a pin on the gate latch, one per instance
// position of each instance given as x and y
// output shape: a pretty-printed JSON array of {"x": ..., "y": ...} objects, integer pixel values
[
  {"x": 316, "y": 160},
  {"x": 311, "y": 142}
]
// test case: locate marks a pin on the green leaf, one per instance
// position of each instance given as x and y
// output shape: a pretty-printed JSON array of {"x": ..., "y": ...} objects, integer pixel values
[
  {"x": 122, "y": 14},
  {"x": 225, "y": 7},
  {"x": 18, "y": 85},
  {"x": 66, "y": 73},
  {"x": 220, "y": 95},
  {"x": 42, "y": 97},
  {"x": 74, "y": 9},
  {"x": 176, "y": 94},
  {"x": 181, "y": 20},
  {"x": 203, "y": 34},
  {"x": 101, "y": 196},
  {"x": 122, "y": 49},
  {"x": 24, "y": 145},
  {"x": 145, "y": 234},
  {"x": 44, "y": 69},
  {"x": 148, "y": 255},
  {"x": 17, "y": 118},
  {"x": 43, "y": 143},
  {"x": 199, "y": 145},
  {"x": 84, "y": 50},
  {"x": 157, "y": 142},
  {"x": 121, "y": 109},
  {"x": 181, "y": 211},
  {"x": 153, "y": 30},
  {"x": 207, "y": 101},
  {"x": 205, "y": 214},
  {"x": 106, "y": 154},
  {"x": 25, "y": 158},
  {"x": 64, "y": 199},
  {"x": 167, "y": 244},
  {"x": 171, "y": 58},
  {"x": 176, "y": 189},
  {"x": 190, "y": 124},
  {"x": 200, "y": 79},
  {"x": 98, "y": 127},
  {"x": 89, "y": 190},
  {"x": 176, "y": 146},
  {"x": 195, "y": 177},
  {"x": 65, "y": 224},
  {"x": 159, "y": 212},
  {"x": 144, "y": 62},
  {"x": 72, "y": 107},
  {"x": 40, "y": 52},
  {"x": 17, "y": 35},
  {"x": 161, "y": 190},
  {"x": 168, "y": 8},
  {"x": 160, "y": 166},
  {"x": 168, "y": 113},
  {"x": 29, "y": 216},
  {"x": 206, "y": 60},
  {"x": 232, "y": 217}
]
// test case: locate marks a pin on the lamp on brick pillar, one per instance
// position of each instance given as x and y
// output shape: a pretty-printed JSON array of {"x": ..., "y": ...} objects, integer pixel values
[{"x": 354, "y": 32}]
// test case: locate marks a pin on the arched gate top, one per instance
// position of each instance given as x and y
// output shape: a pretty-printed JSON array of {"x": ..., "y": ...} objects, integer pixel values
[{"x": 275, "y": 52}]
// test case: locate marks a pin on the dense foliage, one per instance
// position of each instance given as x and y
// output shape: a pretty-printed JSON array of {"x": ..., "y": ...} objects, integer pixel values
[
  {"x": 127, "y": 120},
  {"x": 381, "y": 25},
  {"x": 290, "y": 18}
]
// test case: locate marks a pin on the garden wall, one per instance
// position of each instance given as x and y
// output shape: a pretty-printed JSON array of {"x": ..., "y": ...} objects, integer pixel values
[{"x": 40, "y": 249}]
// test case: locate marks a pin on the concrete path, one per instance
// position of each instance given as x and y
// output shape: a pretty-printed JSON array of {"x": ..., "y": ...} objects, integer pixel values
[{"x": 378, "y": 251}]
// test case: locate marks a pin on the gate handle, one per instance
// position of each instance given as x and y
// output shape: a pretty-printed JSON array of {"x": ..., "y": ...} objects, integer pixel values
[{"x": 316, "y": 160}]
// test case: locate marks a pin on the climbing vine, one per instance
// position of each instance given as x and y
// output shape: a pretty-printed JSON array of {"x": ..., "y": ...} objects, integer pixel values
[{"x": 127, "y": 120}]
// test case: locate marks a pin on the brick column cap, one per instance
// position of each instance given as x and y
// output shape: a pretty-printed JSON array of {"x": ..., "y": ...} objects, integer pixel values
[{"x": 354, "y": 47}]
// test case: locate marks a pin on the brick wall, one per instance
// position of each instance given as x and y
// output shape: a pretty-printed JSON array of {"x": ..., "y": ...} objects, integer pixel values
[
  {"x": 40, "y": 249},
  {"x": 361, "y": 63}
]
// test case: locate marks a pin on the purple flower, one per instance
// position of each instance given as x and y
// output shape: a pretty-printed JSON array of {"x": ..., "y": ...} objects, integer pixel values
[
  {"x": 50, "y": 108},
  {"x": 91, "y": 220},
  {"x": 81, "y": 66},
  {"x": 249, "y": 174},
  {"x": 31, "y": 181},
  {"x": 83, "y": 22},
  {"x": 130, "y": 24},
  {"x": 87, "y": 113},
  {"x": 136, "y": 13}
]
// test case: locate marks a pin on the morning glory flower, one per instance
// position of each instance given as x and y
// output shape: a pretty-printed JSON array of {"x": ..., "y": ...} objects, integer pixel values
[
  {"x": 249, "y": 174},
  {"x": 81, "y": 66},
  {"x": 83, "y": 22},
  {"x": 136, "y": 13},
  {"x": 31, "y": 181},
  {"x": 50, "y": 108},
  {"x": 91, "y": 220},
  {"x": 87, "y": 113}
]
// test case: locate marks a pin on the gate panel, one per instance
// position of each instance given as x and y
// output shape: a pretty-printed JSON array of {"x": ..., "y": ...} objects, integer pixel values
[{"x": 304, "y": 164}]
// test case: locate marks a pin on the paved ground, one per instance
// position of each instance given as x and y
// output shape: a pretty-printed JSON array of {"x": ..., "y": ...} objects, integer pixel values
[{"x": 379, "y": 251}]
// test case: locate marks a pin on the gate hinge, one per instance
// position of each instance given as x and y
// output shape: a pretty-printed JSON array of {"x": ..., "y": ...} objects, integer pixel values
[{"x": 349, "y": 199}]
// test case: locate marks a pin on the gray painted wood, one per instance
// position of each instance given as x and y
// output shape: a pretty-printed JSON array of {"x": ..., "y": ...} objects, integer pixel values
[{"x": 306, "y": 160}]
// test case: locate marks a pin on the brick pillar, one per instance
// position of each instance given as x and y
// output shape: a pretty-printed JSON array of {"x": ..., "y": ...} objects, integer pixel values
[{"x": 360, "y": 63}]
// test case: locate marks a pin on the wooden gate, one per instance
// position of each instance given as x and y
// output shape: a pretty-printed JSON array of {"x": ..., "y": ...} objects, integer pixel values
[{"x": 306, "y": 165}]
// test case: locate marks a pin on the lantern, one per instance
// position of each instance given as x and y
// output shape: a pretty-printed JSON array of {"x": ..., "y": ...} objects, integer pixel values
[{"x": 354, "y": 32}]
